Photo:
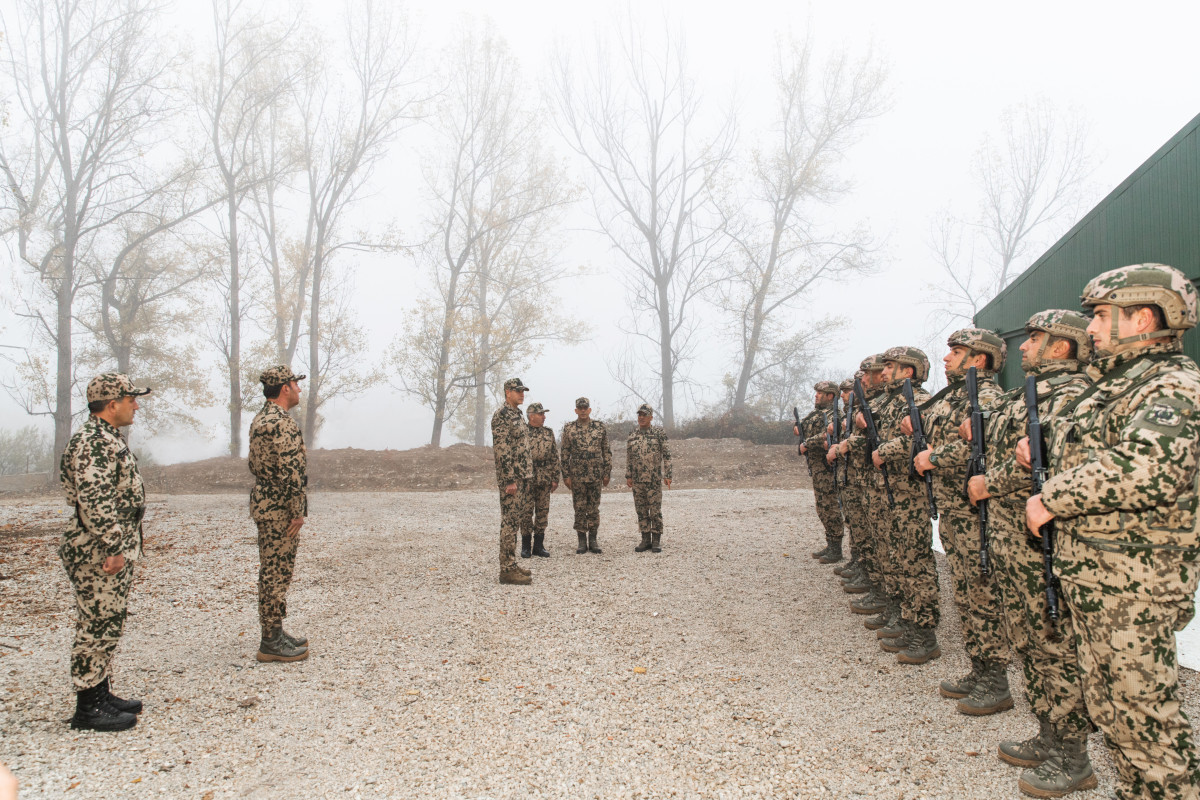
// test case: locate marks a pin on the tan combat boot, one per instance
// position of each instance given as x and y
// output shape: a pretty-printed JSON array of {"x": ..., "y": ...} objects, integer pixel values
[
  {"x": 516, "y": 576},
  {"x": 1033, "y": 751},
  {"x": 1067, "y": 770}
]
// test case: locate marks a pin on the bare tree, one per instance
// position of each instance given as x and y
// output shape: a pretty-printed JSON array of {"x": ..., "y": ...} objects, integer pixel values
[
  {"x": 636, "y": 119},
  {"x": 781, "y": 250}
]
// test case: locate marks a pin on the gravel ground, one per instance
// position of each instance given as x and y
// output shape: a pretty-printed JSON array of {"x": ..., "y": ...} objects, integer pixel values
[{"x": 727, "y": 666}]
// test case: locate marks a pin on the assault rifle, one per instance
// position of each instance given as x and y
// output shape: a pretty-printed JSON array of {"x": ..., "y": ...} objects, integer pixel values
[
  {"x": 1037, "y": 463},
  {"x": 831, "y": 440},
  {"x": 847, "y": 427},
  {"x": 872, "y": 438},
  {"x": 800, "y": 443},
  {"x": 978, "y": 465},
  {"x": 919, "y": 444}
]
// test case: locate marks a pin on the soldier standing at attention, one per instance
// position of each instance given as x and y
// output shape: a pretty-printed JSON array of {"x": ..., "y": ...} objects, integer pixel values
[
  {"x": 1123, "y": 497},
  {"x": 100, "y": 478},
  {"x": 812, "y": 429},
  {"x": 544, "y": 453},
  {"x": 647, "y": 468},
  {"x": 278, "y": 506},
  {"x": 587, "y": 466},
  {"x": 514, "y": 469}
]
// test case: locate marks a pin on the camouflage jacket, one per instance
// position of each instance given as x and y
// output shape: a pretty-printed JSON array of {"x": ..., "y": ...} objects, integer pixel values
[
  {"x": 586, "y": 455},
  {"x": 862, "y": 471},
  {"x": 99, "y": 476},
  {"x": 544, "y": 453},
  {"x": 1007, "y": 424},
  {"x": 510, "y": 446},
  {"x": 942, "y": 414},
  {"x": 896, "y": 447},
  {"x": 648, "y": 458},
  {"x": 279, "y": 463},
  {"x": 812, "y": 433}
]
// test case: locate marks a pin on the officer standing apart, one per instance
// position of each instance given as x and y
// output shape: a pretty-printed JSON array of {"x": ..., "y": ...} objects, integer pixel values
[
  {"x": 546, "y": 468},
  {"x": 1123, "y": 496},
  {"x": 514, "y": 469},
  {"x": 647, "y": 468},
  {"x": 278, "y": 506},
  {"x": 813, "y": 430},
  {"x": 100, "y": 478},
  {"x": 587, "y": 466}
]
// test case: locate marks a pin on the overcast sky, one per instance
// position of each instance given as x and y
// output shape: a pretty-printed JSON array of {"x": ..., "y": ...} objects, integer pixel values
[{"x": 1130, "y": 69}]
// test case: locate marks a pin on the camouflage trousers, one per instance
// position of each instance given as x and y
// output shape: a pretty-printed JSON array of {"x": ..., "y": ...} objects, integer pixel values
[
  {"x": 975, "y": 596},
  {"x": 913, "y": 570},
  {"x": 1048, "y": 658},
  {"x": 647, "y": 501},
  {"x": 537, "y": 511},
  {"x": 515, "y": 512},
  {"x": 101, "y": 602},
  {"x": 1127, "y": 654},
  {"x": 276, "y": 565},
  {"x": 826, "y": 496},
  {"x": 877, "y": 530},
  {"x": 585, "y": 497},
  {"x": 857, "y": 522}
]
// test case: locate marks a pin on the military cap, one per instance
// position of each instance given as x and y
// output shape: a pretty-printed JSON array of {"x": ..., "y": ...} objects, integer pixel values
[
  {"x": 828, "y": 387},
  {"x": 1146, "y": 284},
  {"x": 582, "y": 402},
  {"x": 981, "y": 340},
  {"x": 535, "y": 408},
  {"x": 279, "y": 376},
  {"x": 645, "y": 408},
  {"x": 872, "y": 363},
  {"x": 112, "y": 386},
  {"x": 515, "y": 385},
  {"x": 1065, "y": 324},
  {"x": 910, "y": 357}
]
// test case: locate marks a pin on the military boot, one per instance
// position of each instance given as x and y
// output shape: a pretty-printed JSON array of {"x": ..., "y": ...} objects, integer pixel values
[
  {"x": 990, "y": 693},
  {"x": 881, "y": 619},
  {"x": 94, "y": 712},
  {"x": 297, "y": 641},
  {"x": 850, "y": 566},
  {"x": 955, "y": 689},
  {"x": 539, "y": 545},
  {"x": 898, "y": 642},
  {"x": 645, "y": 544},
  {"x": 895, "y": 626},
  {"x": 128, "y": 706},
  {"x": 870, "y": 603},
  {"x": 656, "y": 542},
  {"x": 582, "y": 542},
  {"x": 1032, "y": 752},
  {"x": 922, "y": 647},
  {"x": 515, "y": 576},
  {"x": 1067, "y": 770},
  {"x": 835, "y": 553},
  {"x": 274, "y": 647},
  {"x": 860, "y": 585},
  {"x": 819, "y": 553},
  {"x": 592, "y": 546},
  {"x": 526, "y": 543}
]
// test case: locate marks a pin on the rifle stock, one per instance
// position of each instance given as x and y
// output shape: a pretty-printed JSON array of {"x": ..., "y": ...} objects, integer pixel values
[{"x": 1040, "y": 472}]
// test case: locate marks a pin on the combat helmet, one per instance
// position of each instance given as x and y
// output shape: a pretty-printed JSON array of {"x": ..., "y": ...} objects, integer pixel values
[
  {"x": 979, "y": 340},
  {"x": 847, "y": 385},
  {"x": 828, "y": 387},
  {"x": 871, "y": 363},
  {"x": 1144, "y": 284},
  {"x": 910, "y": 357},
  {"x": 1063, "y": 324}
]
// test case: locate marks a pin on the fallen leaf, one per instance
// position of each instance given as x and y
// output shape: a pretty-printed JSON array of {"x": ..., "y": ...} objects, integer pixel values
[
  {"x": 879, "y": 730},
  {"x": 412, "y": 692},
  {"x": 972, "y": 752},
  {"x": 207, "y": 796},
  {"x": 73, "y": 785},
  {"x": 484, "y": 678},
  {"x": 931, "y": 759},
  {"x": 136, "y": 780},
  {"x": 734, "y": 680},
  {"x": 639, "y": 670},
  {"x": 785, "y": 555}
]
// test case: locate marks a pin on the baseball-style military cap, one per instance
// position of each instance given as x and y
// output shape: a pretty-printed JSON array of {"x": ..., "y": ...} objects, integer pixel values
[
  {"x": 279, "y": 376},
  {"x": 583, "y": 402},
  {"x": 113, "y": 386},
  {"x": 515, "y": 385},
  {"x": 535, "y": 408},
  {"x": 645, "y": 409}
]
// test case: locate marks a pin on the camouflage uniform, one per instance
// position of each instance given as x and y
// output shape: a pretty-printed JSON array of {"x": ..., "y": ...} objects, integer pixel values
[
  {"x": 543, "y": 453},
  {"x": 279, "y": 463},
  {"x": 854, "y": 487},
  {"x": 1124, "y": 494},
  {"x": 99, "y": 476},
  {"x": 825, "y": 492},
  {"x": 877, "y": 513},
  {"x": 514, "y": 465},
  {"x": 587, "y": 463},
  {"x": 648, "y": 464}
]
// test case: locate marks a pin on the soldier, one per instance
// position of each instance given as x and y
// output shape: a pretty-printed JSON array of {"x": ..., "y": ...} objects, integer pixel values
[
  {"x": 544, "y": 453},
  {"x": 514, "y": 470},
  {"x": 99, "y": 475},
  {"x": 586, "y": 466},
  {"x": 813, "y": 430},
  {"x": 647, "y": 468},
  {"x": 1055, "y": 351},
  {"x": 984, "y": 689},
  {"x": 913, "y": 578},
  {"x": 1123, "y": 496},
  {"x": 851, "y": 457},
  {"x": 850, "y": 493},
  {"x": 278, "y": 506}
]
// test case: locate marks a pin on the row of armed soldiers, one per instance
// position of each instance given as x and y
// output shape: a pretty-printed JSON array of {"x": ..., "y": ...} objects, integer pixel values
[{"x": 1067, "y": 509}]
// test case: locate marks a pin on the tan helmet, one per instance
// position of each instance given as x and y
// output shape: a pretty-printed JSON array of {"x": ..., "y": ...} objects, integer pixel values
[
  {"x": 910, "y": 357},
  {"x": 826, "y": 387},
  {"x": 980, "y": 340},
  {"x": 1063, "y": 324},
  {"x": 872, "y": 363},
  {"x": 1144, "y": 284},
  {"x": 847, "y": 385}
]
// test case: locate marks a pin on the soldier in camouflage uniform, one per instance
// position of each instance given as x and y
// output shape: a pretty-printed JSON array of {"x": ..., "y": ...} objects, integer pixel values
[
  {"x": 278, "y": 506},
  {"x": 99, "y": 475},
  {"x": 647, "y": 468},
  {"x": 857, "y": 476},
  {"x": 983, "y": 690},
  {"x": 586, "y": 466},
  {"x": 813, "y": 430},
  {"x": 1054, "y": 352},
  {"x": 1123, "y": 495},
  {"x": 544, "y": 453},
  {"x": 514, "y": 470},
  {"x": 913, "y": 579},
  {"x": 850, "y": 492}
]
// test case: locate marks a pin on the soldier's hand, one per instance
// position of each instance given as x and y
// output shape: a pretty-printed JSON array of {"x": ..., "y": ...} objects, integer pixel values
[
  {"x": 113, "y": 564},
  {"x": 553, "y": 486},
  {"x": 1023, "y": 458},
  {"x": 860, "y": 421},
  {"x": 1036, "y": 515},
  {"x": 294, "y": 528},
  {"x": 906, "y": 426},
  {"x": 511, "y": 488},
  {"x": 567, "y": 481},
  {"x": 667, "y": 482},
  {"x": 829, "y": 429},
  {"x": 964, "y": 430},
  {"x": 876, "y": 459},
  {"x": 803, "y": 448},
  {"x": 922, "y": 462},
  {"x": 977, "y": 489},
  {"x": 831, "y": 455},
  {"x": 605, "y": 482},
  {"x": 8, "y": 784},
  {"x": 629, "y": 482},
  {"x": 795, "y": 430}
]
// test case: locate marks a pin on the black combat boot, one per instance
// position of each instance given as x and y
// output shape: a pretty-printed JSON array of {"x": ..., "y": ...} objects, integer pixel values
[
  {"x": 93, "y": 712},
  {"x": 656, "y": 542},
  {"x": 592, "y": 546},
  {"x": 820, "y": 553},
  {"x": 128, "y": 706},
  {"x": 645, "y": 543},
  {"x": 274, "y": 647},
  {"x": 582, "y": 542},
  {"x": 835, "y": 552},
  {"x": 539, "y": 549},
  {"x": 526, "y": 538}
]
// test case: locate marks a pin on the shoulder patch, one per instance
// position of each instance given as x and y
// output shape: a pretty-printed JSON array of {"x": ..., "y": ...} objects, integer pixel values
[{"x": 1163, "y": 414}]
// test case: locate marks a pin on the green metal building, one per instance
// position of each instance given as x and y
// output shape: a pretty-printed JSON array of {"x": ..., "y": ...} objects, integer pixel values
[{"x": 1153, "y": 216}]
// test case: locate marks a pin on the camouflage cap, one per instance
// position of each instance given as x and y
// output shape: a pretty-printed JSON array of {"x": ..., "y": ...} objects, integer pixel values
[
  {"x": 535, "y": 408},
  {"x": 910, "y": 357},
  {"x": 1066, "y": 324},
  {"x": 112, "y": 386},
  {"x": 1146, "y": 284},
  {"x": 981, "y": 340},
  {"x": 515, "y": 385},
  {"x": 827, "y": 387},
  {"x": 582, "y": 402},
  {"x": 645, "y": 410},
  {"x": 872, "y": 363},
  {"x": 279, "y": 376}
]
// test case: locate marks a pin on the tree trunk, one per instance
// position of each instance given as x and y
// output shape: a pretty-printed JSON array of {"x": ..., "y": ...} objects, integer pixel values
[
  {"x": 664, "y": 348},
  {"x": 235, "y": 330},
  {"x": 314, "y": 347},
  {"x": 482, "y": 372}
]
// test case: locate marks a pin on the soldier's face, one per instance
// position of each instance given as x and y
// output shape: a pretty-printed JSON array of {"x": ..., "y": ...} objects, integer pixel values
[
  {"x": 124, "y": 409},
  {"x": 1100, "y": 328},
  {"x": 514, "y": 397},
  {"x": 889, "y": 371},
  {"x": 290, "y": 394},
  {"x": 644, "y": 420},
  {"x": 583, "y": 413},
  {"x": 955, "y": 358},
  {"x": 846, "y": 396},
  {"x": 1030, "y": 346},
  {"x": 537, "y": 420}
]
